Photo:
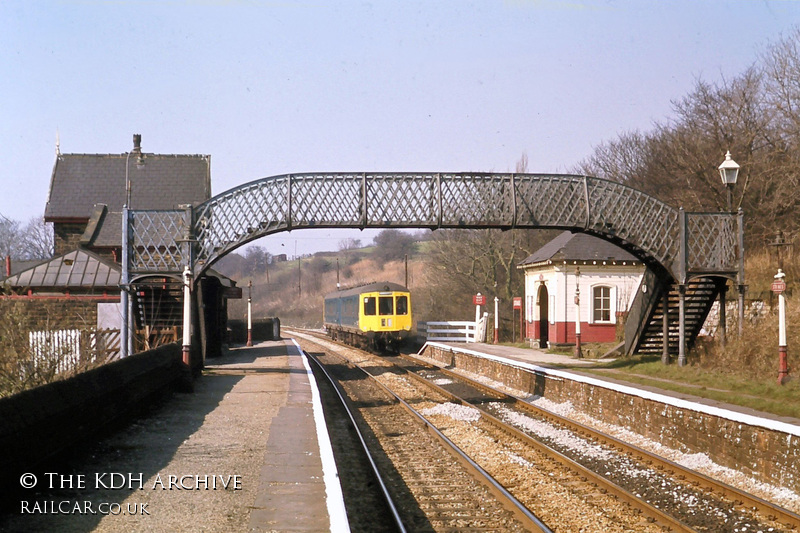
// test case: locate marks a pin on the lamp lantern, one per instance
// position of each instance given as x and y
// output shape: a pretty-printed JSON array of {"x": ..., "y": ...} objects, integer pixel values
[{"x": 729, "y": 172}]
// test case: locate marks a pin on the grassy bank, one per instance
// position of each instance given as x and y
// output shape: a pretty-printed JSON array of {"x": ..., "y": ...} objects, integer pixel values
[{"x": 762, "y": 394}]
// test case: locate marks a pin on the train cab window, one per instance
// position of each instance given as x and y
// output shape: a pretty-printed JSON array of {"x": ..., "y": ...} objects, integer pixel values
[
  {"x": 402, "y": 305},
  {"x": 369, "y": 305},
  {"x": 386, "y": 305}
]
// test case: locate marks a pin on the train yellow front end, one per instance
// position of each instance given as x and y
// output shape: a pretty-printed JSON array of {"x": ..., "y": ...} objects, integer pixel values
[{"x": 376, "y": 316}]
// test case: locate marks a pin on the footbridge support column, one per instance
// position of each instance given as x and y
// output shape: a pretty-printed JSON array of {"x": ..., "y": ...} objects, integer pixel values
[
  {"x": 665, "y": 327},
  {"x": 187, "y": 316},
  {"x": 681, "y": 325}
]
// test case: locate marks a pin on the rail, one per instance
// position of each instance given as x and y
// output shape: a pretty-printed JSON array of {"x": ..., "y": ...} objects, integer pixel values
[
  {"x": 345, "y": 404},
  {"x": 788, "y": 518},
  {"x": 522, "y": 513}
]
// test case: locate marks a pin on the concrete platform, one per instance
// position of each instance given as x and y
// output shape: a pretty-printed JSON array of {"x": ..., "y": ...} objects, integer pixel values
[
  {"x": 527, "y": 355},
  {"x": 254, "y": 415},
  {"x": 298, "y": 485},
  {"x": 538, "y": 360}
]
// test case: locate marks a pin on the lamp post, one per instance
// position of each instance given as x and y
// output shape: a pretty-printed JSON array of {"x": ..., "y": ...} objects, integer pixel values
[
  {"x": 187, "y": 316},
  {"x": 496, "y": 322},
  {"x": 729, "y": 172},
  {"x": 249, "y": 313},
  {"x": 578, "y": 352},
  {"x": 779, "y": 286}
]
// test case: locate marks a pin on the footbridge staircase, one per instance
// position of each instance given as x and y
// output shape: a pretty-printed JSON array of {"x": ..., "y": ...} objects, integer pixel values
[{"x": 644, "y": 328}]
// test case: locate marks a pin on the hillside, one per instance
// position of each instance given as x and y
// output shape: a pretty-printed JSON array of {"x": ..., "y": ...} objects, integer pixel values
[{"x": 294, "y": 290}]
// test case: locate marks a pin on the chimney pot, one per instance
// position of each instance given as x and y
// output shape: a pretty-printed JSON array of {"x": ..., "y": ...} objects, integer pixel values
[{"x": 137, "y": 142}]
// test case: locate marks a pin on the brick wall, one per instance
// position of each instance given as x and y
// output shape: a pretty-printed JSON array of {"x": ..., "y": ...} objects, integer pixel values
[
  {"x": 767, "y": 455},
  {"x": 67, "y": 236},
  {"x": 36, "y": 314}
]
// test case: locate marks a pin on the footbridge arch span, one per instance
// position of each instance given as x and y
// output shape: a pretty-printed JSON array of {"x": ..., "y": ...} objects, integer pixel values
[
  {"x": 674, "y": 243},
  {"x": 677, "y": 246}
]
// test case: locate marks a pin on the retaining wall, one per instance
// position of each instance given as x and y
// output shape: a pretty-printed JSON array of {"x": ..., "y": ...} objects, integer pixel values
[
  {"x": 39, "y": 423},
  {"x": 767, "y": 454}
]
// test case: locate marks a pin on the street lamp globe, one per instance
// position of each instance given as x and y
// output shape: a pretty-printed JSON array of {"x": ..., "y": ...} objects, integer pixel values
[{"x": 729, "y": 171}]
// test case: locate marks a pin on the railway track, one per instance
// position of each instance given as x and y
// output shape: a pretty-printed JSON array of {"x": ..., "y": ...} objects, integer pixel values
[
  {"x": 603, "y": 473},
  {"x": 428, "y": 484}
]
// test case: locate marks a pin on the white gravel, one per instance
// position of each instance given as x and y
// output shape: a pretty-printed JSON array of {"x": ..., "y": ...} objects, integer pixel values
[
  {"x": 454, "y": 411},
  {"x": 699, "y": 462}
]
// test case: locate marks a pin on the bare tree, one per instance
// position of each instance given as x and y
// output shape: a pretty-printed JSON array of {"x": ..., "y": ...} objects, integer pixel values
[
  {"x": 37, "y": 239},
  {"x": 10, "y": 238},
  {"x": 393, "y": 245},
  {"x": 256, "y": 259},
  {"x": 755, "y": 115},
  {"x": 349, "y": 244}
]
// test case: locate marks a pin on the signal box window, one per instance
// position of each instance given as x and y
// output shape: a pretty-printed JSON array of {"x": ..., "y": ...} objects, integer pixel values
[
  {"x": 402, "y": 305},
  {"x": 369, "y": 306},
  {"x": 386, "y": 305}
]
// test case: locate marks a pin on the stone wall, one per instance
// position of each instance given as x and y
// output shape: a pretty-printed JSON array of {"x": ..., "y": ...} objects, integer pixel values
[
  {"x": 767, "y": 455},
  {"x": 38, "y": 424}
]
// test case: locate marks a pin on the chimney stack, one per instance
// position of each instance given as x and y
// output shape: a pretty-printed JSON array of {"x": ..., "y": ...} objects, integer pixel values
[{"x": 137, "y": 143}]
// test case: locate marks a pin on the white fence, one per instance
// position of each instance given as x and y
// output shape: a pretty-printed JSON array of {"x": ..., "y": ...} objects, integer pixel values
[
  {"x": 454, "y": 330},
  {"x": 63, "y": 349}
]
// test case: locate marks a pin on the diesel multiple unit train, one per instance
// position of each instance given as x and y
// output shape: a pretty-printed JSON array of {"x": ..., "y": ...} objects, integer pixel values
[{"x": 376, "y": 316}]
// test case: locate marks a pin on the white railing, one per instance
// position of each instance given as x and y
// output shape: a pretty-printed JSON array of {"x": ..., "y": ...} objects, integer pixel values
[
  {"x": 454, "y": 330},
  {"x": 63, "y": 350}
]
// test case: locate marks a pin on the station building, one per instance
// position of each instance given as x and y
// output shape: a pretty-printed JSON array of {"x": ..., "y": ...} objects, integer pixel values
[
  {"x": 607, "y": 278},
  {"x": 80, "y": 285}
]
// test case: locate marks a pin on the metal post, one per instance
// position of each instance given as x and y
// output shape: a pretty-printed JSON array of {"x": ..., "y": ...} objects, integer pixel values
[
  {"x": 187, "y": 315},
  {"x": 496, "y": 321},
  {"x": 681, "y": 325},
  {"x": 477, "y": 312},
  {"x": 250, "y": 313},
  {"x": 665, "y": 327},
  {"x": 123, "y": 296},
  {"x": 722, "y": 314},
  {"x": 779, "y": 286},
  {"x": 740, "y": 277},
  {"x": 741, "y": 309},
  {"x": 578, "y": 352}
]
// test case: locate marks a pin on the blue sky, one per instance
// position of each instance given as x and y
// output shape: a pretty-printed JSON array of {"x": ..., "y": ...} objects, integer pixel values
[{"x": 269, "y": 88}]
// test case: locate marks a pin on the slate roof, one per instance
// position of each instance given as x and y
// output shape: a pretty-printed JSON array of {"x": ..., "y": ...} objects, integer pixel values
[
  {"x": 79, "y": 181},
  {"x": 75, "y": 269},
  {"x": 578, "y": 247},
  {"x": 79, "y": 269},
  {"x": 18, "y": 265}
]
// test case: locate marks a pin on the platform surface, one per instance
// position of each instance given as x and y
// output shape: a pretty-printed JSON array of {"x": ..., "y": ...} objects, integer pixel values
[{"x": 252, "y": 415}]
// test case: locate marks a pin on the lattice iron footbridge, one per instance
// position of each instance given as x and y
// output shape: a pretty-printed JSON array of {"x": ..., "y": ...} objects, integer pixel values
[{"x": 680, "y": 249}]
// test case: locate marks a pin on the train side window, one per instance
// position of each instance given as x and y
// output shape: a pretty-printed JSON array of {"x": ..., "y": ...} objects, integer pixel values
[
  {"x": 369, "y": 305},
  {"x": 402, "y": 305},
  {"x": 386, "y": 305}
]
